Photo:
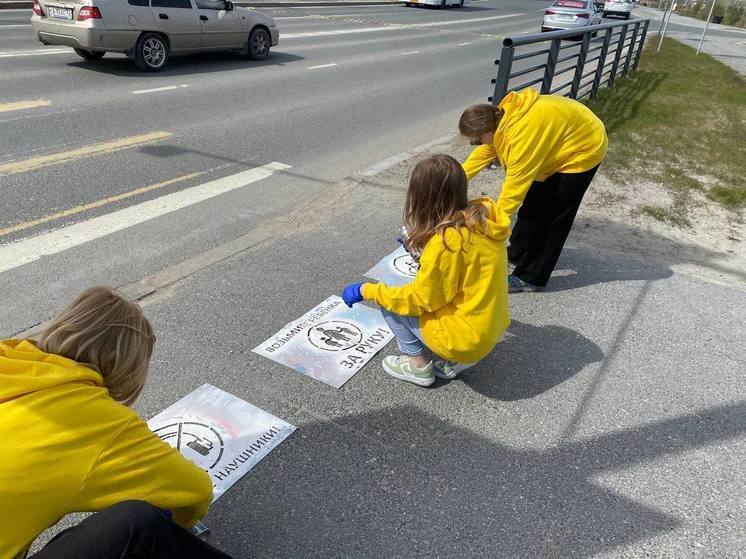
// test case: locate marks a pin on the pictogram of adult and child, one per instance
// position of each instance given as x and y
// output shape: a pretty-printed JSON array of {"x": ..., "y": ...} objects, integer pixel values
[{"x": 94, "y": 356}]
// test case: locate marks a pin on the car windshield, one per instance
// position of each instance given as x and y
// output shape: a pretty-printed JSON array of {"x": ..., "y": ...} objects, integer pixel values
[{"x": 575, "y": 4}]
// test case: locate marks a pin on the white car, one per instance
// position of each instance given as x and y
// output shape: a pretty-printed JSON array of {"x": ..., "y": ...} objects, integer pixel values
[
  {"x": 618, "y": 8},
  {"x": 438, "y": 3}
]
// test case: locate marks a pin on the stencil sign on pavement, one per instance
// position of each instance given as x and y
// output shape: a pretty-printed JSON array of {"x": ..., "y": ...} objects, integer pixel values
[
  {"x": 398, "y": 268},
  {"x": 330, "y": 343},
  {"x": 221, "y": 433}
]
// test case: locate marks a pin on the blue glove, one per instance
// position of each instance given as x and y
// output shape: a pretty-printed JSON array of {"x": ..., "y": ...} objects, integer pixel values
[{"x": 352, "y": 294}]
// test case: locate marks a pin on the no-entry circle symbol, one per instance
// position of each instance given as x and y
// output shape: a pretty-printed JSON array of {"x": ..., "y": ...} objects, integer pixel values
[
  {"x": 406, "y": 265},
  {"x": 197, "y": 441}
]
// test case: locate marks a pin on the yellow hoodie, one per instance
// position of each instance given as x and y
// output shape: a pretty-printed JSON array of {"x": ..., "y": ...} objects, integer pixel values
[
  {"x": 460, "y": 295},
  {"x": 539, "y": 135},
  {"x": 69, "y": 447}
]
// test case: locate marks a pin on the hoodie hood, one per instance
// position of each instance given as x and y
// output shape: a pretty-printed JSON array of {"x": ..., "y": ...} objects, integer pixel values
[
  {"x": 493, "y": 228},
  {"x": 25, "y": 369},
  {"x": 514, "y": 105}
]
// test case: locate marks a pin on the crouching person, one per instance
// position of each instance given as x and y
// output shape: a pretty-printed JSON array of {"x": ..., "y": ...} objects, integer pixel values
[
  {"x": 457, "y": 305},
  {"x": 73, "y": 444}
]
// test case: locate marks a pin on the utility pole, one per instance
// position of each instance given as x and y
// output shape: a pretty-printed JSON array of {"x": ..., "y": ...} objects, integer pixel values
[{"x": 707, "y": 24}]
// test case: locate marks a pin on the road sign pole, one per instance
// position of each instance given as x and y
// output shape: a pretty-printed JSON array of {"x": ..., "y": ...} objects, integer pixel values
[
  {"x": 707, "y": 24},
  {"x": 662, "y": 32}
]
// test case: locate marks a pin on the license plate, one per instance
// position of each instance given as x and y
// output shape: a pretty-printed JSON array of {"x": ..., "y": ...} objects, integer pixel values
[
  {"x": 564, "y": 16},
  {"x": 60, "y": 13}
]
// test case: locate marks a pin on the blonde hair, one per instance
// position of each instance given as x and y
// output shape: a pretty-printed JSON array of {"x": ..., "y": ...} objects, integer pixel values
[
  {"x": 479, "y": 119},
  {"x": 437, "y": 199},
  {"x": 107, "y": 332}
]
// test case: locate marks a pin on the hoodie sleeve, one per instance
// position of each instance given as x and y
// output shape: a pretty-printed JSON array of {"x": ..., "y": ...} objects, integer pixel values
[
  {"x": 480, "y": 158},
  {"x": 137, "y": 465},
  {"x": 435, "y": 285}
]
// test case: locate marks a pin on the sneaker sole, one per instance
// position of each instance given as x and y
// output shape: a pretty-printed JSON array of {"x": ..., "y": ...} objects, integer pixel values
[{"x": 407, "y": 378}]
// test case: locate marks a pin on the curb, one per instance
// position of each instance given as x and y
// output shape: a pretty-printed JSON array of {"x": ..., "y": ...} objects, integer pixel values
[
  {"x": 265, "y": 232},
  {"x": 28, "y": 4}
]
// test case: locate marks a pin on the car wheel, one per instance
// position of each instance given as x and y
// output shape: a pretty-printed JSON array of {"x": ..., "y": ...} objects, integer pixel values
[
  {"x": 259, "y": 44},
  {"x": 89, "y": 54},
  {"x": 442, "y": 4},
  {"x": 151, "y": 53},
  {"x": 461, "y": 4}
]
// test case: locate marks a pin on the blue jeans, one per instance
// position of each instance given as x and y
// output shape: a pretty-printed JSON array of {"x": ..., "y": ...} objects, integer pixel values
[{"x": 406, "y": 329}]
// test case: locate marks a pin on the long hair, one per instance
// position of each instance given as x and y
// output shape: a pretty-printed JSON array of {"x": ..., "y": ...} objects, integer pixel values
[
  {"x": 107, "y": 332},
  {"x": 479, "y": 119},
  {"x": 437, "y": 200}
]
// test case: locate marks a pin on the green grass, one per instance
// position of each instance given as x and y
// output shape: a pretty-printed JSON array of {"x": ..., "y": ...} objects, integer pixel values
[
  {"x": 679, "y": 121},
  {"x": 666, "y": 215}
]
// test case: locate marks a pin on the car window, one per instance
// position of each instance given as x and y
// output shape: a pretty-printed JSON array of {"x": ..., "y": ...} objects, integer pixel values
[
  {"x": 171, "y": 4},
  {"x": 139, "y": 2},
  {"x": 577, "y": 4},
  {"x": 210, "y": 4}
]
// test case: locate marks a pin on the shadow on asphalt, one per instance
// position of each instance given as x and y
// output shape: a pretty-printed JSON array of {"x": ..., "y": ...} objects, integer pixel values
[
  {"x": 187, "y": 65},
  {"x": 402, "y": 483},
  {"x": 580, "y": 268},
  {"x": 645, "y": 254},
  {"x": 530, "y": 360},
  {"x": 168, "y": 150}
]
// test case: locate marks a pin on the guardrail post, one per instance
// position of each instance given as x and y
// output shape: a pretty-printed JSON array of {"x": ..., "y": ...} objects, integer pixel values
[
  {"x": 645, "y": 26},
  {"x": 631, "y": 49},
  {"x": 601, "y": 61},
  {"x": 546, "y": 84},
  {"x": 582, "y": 56},
  {"x": 617, "y": 55},
  {"x": 503, "y": 75}
]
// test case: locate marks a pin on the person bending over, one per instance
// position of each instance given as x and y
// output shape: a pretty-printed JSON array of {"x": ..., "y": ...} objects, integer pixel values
[{"x": 550, "y": 148}]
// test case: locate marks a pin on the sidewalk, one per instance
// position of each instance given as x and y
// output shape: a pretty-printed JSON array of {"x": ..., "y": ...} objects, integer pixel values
[
  {"x": 608, "y": 423},
  {"x": 729, "y": 50}
]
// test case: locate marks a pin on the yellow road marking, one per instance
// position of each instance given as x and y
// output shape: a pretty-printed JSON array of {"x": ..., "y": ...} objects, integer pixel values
[
  {"x": 84, "y": 151},
  {"x": 96, "y": 204},
  {"x": 21, "y": 105}
]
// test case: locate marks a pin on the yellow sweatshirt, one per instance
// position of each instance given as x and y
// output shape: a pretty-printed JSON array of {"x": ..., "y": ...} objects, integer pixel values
[
  {"x": 539, "y": 135},
  {"x": 69, "y": 447},
  {"x": 460, "y": 295}
]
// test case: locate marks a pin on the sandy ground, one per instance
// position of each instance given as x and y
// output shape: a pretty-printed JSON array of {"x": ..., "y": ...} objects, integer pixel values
[{"x": 711, "y": 248}]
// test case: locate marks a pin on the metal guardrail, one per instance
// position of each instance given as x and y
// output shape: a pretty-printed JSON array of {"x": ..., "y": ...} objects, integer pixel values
[{"x": 618, "y": 44}]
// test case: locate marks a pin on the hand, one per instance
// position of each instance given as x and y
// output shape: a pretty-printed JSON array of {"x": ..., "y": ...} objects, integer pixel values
[{"x": 352, "y": 294}]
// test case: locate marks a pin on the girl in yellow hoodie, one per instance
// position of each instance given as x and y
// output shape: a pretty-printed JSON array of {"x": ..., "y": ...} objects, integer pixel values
[
  {"x": 457, "y": 305},
  {"x": 72, "y": 444},
  {"x": 550, "y": 148}
]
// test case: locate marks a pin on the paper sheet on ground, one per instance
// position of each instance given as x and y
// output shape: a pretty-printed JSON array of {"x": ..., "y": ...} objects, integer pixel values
[
  {"x": 398, "y": 268},
  {"x": 331, "y": 342},
  {"x": 220, "y": 433}
]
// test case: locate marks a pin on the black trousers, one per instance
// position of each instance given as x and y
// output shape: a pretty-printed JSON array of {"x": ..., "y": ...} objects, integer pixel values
[
  {"x": 544, "y": 221},
  {"x": 131, "y": 530}
]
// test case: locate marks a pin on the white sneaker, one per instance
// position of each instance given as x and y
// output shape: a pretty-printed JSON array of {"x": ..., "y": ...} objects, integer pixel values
[{"x": 448, "y": 370}]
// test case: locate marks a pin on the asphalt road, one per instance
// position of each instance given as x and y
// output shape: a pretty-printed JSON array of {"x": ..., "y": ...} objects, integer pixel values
[
  {"x": 389, "y": 89},
  {"x": 609, "y": 423}
]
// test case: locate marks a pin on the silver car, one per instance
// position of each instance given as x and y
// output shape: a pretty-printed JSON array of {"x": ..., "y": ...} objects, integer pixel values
[
  {"x": 618, "y": 8},
  {"x": 150, "y": 31},
  {"x": 570, "y": 14}
]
